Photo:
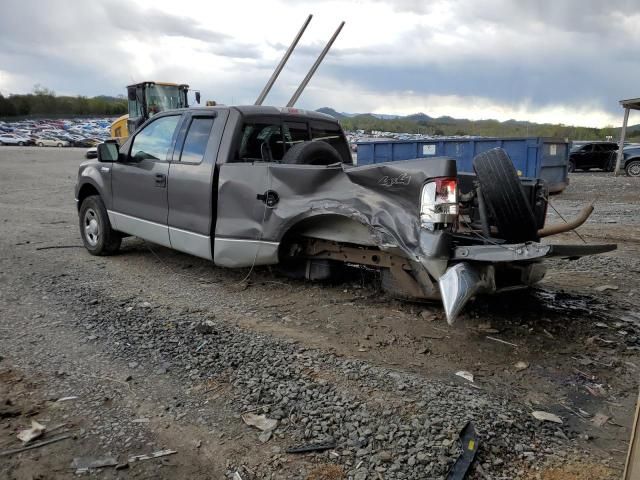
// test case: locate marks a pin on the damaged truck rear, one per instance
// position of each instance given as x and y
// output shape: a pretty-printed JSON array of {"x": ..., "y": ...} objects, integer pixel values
[{"x": 257, "y": 185}]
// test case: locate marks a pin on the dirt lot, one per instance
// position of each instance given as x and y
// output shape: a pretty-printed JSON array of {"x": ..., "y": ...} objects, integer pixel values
[{"x": 164, "y": 351}]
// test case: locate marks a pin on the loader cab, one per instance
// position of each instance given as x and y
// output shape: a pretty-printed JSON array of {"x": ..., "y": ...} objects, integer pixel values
[{"x": 146, "y": 99}]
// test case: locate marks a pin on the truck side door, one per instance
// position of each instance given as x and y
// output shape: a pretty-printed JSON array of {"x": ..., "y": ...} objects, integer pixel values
[
  {"x": 139, "y": 181},
  {"x": 191, "y": 182}
]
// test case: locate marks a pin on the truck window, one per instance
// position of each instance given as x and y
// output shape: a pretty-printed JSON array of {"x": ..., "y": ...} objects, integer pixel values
[
  {"x": 332, "y": 134},
  {"x": 156, "y": 139},
  {"x": 196, "y": 141},
  {"x": 258, "y": 139},
  {"x": 294, "y": 132}
]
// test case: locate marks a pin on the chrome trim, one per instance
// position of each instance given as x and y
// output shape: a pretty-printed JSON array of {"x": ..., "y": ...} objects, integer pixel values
[
  {"x": 190, "y": 242},
  {"x": 154, "y": 232},
  {"x": 239, "y": 252}
]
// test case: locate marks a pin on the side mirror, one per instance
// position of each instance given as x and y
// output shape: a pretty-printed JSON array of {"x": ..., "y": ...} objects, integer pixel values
[
  {"x": 198, "y": 97},
  {"x": 108, "y": 152}
]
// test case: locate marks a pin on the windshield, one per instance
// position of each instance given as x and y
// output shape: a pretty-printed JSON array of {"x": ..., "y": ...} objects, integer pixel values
[{"x": 164, "y": 97}]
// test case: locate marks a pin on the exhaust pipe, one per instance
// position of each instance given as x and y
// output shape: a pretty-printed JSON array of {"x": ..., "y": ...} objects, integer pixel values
[{"x": 582, "y": 217}]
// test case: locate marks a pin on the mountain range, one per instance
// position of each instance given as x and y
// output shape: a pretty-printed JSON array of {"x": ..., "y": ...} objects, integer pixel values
[{"x": 446, "y": 125}]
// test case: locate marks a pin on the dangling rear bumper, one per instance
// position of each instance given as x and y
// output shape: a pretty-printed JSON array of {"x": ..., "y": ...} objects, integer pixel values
[{"x": 485, "y": 269}]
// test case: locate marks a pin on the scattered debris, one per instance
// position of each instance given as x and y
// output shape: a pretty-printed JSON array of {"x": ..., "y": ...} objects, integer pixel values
[
  {"x": 66, "y": 399},
  {"x": 600, "y": 419},
  {"x": 159, "y": 453},
  {"x": 466, "y": 375},
  {"x": 603, "y": 288},
  {"x": 521, "y": 366},
  {"x": 59, "y": 246},
  {"x": 261, "y": 422},
  {"x": 547, "y": 417},
  {"x": 206, "y": 328},
  {"x": 36, "y": 430},
  {"x": 427, "y": 315},
  {"x": 237, "y": 476},
  {"x": 501, "y": 341},
  {"x": 35, "y": 445},
  {"x": 265, "y": 436},
  {"x": 469, "y": 444},
  {"x": 312, "y": 447},
  {"x": 84, "y": 464}
]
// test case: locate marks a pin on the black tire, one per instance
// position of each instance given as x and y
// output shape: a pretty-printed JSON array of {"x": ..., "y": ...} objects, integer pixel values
[
  {"x": 21, "y": 144},
  {"x": 505, "y": 197},
  {"x": 633, "y": 168},
  {"x": 312, "y": 153},
  {"x": 40, "y": 144},
  {"x": 106, "y": 241},
  {"x": 572, "y": 166}
]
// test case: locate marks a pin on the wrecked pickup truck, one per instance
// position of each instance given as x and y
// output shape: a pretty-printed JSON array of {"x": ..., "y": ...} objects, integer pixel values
[{"x": 257, "y": 185}]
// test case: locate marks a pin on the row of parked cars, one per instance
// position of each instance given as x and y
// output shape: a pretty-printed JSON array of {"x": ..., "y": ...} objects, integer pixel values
[{"x": 76, "y": 132}]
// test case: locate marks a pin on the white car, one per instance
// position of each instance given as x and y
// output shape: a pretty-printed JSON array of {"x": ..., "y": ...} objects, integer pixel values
[
  {"x": 51, "y": 142},
  {"x": 11, "y": 139}
]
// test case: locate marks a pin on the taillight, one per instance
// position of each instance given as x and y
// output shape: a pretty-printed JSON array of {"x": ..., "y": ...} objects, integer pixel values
[{"x": 439, "y": 203}]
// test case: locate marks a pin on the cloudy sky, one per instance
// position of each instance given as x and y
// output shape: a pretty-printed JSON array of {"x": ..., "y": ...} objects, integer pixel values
[{"x": 567, "y": 61}]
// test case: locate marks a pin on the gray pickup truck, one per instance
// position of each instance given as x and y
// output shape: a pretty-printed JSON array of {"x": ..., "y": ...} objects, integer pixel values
[{"x": 258, "y": 185}]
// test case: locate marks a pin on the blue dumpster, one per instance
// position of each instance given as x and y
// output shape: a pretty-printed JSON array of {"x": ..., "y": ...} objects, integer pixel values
[{"x": 536, "y": 157}]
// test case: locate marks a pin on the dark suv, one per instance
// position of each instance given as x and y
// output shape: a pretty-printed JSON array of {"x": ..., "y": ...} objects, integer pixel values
[{"x": 584, "y": 156}]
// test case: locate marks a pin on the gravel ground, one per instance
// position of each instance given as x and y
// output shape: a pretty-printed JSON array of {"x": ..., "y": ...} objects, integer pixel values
[{"x": 165, "y": 351}]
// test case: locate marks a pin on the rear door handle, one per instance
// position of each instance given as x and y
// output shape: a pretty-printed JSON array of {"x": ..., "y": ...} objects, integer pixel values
[{"x": 161, "y": 180}]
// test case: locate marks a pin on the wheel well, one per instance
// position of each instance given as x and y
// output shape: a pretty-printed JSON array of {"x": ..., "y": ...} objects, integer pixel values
[
  {"x": 86, "y": 191},
  {"x": 629, "y": 160},
  {"x": 331, "y": 227}
]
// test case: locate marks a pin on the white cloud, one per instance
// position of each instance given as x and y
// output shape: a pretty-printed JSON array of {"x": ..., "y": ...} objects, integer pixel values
[{"x": 544, "y": 61}]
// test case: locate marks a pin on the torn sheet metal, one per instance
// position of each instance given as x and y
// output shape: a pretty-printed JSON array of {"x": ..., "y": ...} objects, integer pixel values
[{"x": 384, "y": 198}]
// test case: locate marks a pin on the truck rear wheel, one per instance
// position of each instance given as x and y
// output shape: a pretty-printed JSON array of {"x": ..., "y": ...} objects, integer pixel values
[
  {"x": 97, "y": 235},
  {"x": 505, "y": 197}
]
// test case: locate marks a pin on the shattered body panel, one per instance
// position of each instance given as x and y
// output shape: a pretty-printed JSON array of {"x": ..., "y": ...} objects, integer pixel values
[{"x": 384, "y": 198}]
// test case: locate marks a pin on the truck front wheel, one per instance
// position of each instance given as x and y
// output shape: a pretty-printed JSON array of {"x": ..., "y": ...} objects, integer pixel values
[{"x": 97, "y": 235}]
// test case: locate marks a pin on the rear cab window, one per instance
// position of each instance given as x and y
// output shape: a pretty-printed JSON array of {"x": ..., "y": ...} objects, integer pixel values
[
  {"x": 269, "y": 139},
  {"x": 332, "y": 134}
]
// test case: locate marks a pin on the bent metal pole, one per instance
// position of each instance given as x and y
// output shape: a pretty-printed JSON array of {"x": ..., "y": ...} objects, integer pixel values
[
  {"x": 276, "y": 72},
  {"x": 314, "y": 67}
]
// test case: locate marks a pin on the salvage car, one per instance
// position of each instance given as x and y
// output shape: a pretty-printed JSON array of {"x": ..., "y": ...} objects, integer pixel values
[
  {"x": 51, "y": 142},
  {"x": 256, "y": 185},
  {"x": 585, "y": 156},
  {"x": 11, "y": 139}
]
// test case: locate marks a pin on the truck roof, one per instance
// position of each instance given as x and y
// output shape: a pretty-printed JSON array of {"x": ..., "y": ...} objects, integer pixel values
[{"x": 255, "y": 110}]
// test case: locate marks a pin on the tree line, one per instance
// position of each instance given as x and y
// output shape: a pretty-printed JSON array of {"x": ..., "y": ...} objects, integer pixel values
[
  {"x": 485, "y": 128},
  {"x": 43, "y": 101}
]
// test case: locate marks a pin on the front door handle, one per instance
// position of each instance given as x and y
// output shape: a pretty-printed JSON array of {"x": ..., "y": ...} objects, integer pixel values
[{"x": 161, "y": 180}]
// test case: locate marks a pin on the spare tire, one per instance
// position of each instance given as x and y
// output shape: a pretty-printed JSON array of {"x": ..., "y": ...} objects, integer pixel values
[
  {"x": 505, "y": 197},
  {"x": 312, "y": 153}
]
